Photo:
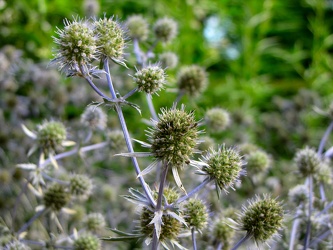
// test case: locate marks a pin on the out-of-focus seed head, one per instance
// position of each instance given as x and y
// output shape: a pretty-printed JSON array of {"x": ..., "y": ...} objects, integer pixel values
[
  {"x": 56, "y": 197},
  {"x": 192, "y": 80},
  {"x": 168, "y": 60},
  {"x": 94, "y": 222},
  {"x": 195, "y": 214},
  {"x": 224, "y": 166},
  {"x": 307, "y": 161},
  {"x": 257, "y": 162},
  {"x": 262, "y": 218},
  {"x": 174, "y": 136},
  {"x": 299, "y": 194},
  {"x": 247, "y": 148},
  {"x": 110, "y": 38},
  {"x": 220, "y": 232},
  {"x": 165, "y": 29},
  {"x": 50, "y": 135},
  {"x": 76, "y": 45},
  {"x": 150, "y": 79},
  {"x": 87, "y": 242},
  {"x": 138, "y": 27},
  {"x": 80, "y": 186},
  {"x": 205, "y": 143},
  {"x": 94, "y": 117},
  {"x": 116, "y": 141},
  {"x": 91, "y": 7},
  {"x": 217, "y": 120}
]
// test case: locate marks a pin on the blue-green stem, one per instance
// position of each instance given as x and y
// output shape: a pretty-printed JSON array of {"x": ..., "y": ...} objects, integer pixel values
[
  {"x": 194, "y": 242},
  {"x": 126, "y": 134},
  {"x": 241, "y": 241},
  {"x": 35, "y": 217},
  {"x": 158, "y": 207},
  {"x": 151, "y": 107},
  {"x": 294, "y": 228},
  {"x": 308, "y": 226}
]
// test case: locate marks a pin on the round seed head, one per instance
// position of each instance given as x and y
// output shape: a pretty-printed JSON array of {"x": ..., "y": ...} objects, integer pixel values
[
  {"x": 168, "y": 60},
  {"x": 94, "y": 117},
  {"x": 174, "y": 136},
  {"x": 87, "y": 242},
  {"x": 94, "y": 221},
  {"x": 196, "y": 214},
  {"x": 116, "y": 140},
  {"x": 217, "y": 120},
  {"x": 262, "y": 218},
  {"x": 50, "y": 135},
  {"x": 80, "y": 186},
  {"x": 221, "y": 232},
  {"x": 56, "y": 197},
  {"x": 307, "y": 161},
  {"x": 192, "y": 80},
  {"x": 150, "y": 79},
  {"x": 224, "y": 166},
  {"x": 110, "y": 38},
  {"x": 257, "y": 162},
  {"x": 299, "y": 194},
  {"x": 138, "y": 27},
  {"x": 76, "y": 44},
  {"x": 165, "y": 29}
]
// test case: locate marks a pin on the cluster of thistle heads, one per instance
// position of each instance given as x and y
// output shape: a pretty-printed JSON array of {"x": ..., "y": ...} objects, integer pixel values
[{"x": 173, "y": 140}]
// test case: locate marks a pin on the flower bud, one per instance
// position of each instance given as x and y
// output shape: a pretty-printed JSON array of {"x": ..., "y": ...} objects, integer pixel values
[
  {"x": 50, "y": 135},
  {"x": 195, "y": 214},
  {"x": 217, "y": 120},
  {"x": 80, "y": 186},
  {"x": 110, "y": 38},
  {"x": 150, "y": 79},
  {"x": 165, "y": 29},
  {"x": 56, "y": 197},
  {"x": 192, "y": 80},
  {"x": 262, "y": 218},
  {"x": 87, "y": 242},
  {"x": 94, "y": 117},
  {"x": 137, "y": 27},
  {"x": 168, "y": 60}
]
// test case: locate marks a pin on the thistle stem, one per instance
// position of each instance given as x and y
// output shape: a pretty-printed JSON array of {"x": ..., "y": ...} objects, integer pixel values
[
  {"x": 35, "y": 217},
  {"x": 241, "y": 241},
  {"x": 308, "y": 226},
  {"x": 126, "y": 134},
  {"x": 194, "y": 243},
  {"x": 151, "y": 107},
  {"x": 294, "y": 228}
]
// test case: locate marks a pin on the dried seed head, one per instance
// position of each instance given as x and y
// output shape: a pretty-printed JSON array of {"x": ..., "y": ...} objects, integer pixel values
[
  {"x": 87, "y": 242},
  {"x": 217, "y": 120},
  {"x": 150, "y": 79},
  {"x": 56, "y": 197},
  {"x": 192, "y": 80},
  {"x": 80, "y": 186},
  {"x": 168, "y": 60},
  {"x": 174, "y": 136},
  {"x": 110, "y": 38},
  {"x": 165, "y": 29},
  {"x": 138, "y": 27}
]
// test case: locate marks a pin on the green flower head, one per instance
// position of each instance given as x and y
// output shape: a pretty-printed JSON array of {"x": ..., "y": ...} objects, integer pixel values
[
  {"x": 150, "y": 79},
  {"x": 51, "y": 135},
  {"x": 165, "y": 29},
  {"x": 138, "y": 27},
  {"x": 87, "y": 242},
  {"x": 192, "y": 80},
  {"x": 196, "y": 214},
  {"x": 307, "y": 161},
  {"x": 56, "y": 197}
]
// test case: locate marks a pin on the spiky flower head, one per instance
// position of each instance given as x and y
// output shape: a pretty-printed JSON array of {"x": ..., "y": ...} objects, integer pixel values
[
  {"x": 94, "y": 221},
  {"x": 174, "y": 136},
  {"x": 150, "y": 79},
  {"x": 16, "y": 245},
  {"x": 168, "y": 60},
  {"x": 165, "y": 29},
  {"x": 224, "y": 166},
  {"x": 56, "y": 197},
  {"x": 192, "y": 80},
  {"x": 76, "y": 44},
  {"x": 257, "y": 162},
  {"x": 110, "y": 38},
  {"x": 217, "y": 119},
  {"x": 87, "y": 242},
  {"x": 170, "y": 228},
  {"x": 94, "y": 117},
  {"x": 220, "y": 232},
  {"x": 138, "y": 27},
  {"x": 80, "y": 186},
  {"x": 195, "y": 214},
  {"x": 51, "y": 135},
  {"x": 116, "y": 140},
  {"x": 299, "y": 194},
  {"x": 262, "y": 218},
  {"x": 307, "y": 161}
]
